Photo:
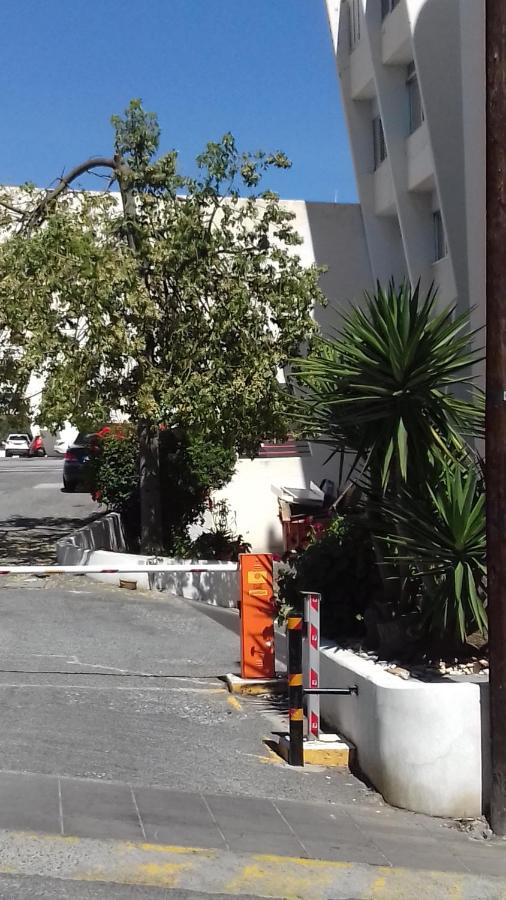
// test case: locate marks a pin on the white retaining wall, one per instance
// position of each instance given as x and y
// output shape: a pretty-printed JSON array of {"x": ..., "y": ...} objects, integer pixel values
[
  {"x": 102, "y": 543},
  {"x": 423, "y": 745}
]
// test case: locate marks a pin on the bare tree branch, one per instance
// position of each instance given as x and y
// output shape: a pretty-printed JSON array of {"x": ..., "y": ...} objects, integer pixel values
[
  {"x": 94, "y": 162},
  {"x": 14, "y": 209}
]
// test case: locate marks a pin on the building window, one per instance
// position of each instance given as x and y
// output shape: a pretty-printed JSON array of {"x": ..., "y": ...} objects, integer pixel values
[
  {"x": 354, "y": 12},
  {"x": 387, "y": 6},
  {"x": 440, "y": 245},
  {"x": 416, "y": 115},
  {"x": 380, "y": 150}
]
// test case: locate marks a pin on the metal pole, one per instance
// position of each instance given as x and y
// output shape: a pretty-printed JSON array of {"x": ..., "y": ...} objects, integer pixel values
[
  {"x": 312, "y": 663},
  {"x": 296, "y": 712},
  {"x": 495, "y": 440}
]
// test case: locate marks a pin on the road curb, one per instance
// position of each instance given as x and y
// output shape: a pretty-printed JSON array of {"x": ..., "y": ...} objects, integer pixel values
[
  {"x": 256, "y": 686},
  {"x": 223, "y": 872}
]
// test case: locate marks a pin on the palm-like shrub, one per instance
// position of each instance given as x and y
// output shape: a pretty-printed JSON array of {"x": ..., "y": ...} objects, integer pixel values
[
  {"x": 395, "y": 389},
  {"x": 384, "y": 388},
  {"x": 442, "y": 535}
]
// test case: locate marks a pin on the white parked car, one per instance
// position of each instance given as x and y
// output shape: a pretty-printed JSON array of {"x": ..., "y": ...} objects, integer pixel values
[{"x": 17, "y": 445}]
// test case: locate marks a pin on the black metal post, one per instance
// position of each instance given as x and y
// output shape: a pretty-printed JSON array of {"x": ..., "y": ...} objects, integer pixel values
[{"x": 296, "y": 712}]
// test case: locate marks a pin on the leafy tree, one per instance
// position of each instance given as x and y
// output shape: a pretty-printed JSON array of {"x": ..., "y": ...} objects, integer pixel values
[{"x": 178, "y": 305}]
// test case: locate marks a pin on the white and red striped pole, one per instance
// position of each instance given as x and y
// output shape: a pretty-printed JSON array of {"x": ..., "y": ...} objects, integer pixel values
[
  {"x": 129, "y": 569},
  {"x": 312, "y": 662}
]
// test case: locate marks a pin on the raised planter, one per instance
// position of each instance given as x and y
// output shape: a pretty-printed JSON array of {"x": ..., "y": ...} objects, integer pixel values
[
  {"x": 423, "y": 745},
  {"x": 102, "y": 543}
]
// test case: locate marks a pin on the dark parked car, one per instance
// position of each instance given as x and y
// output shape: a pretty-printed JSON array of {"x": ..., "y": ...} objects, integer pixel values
[{"x": 75, "y": 460}]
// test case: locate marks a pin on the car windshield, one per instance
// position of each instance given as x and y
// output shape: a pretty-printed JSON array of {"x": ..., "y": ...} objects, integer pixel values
[{"x": 18, "y": 437}]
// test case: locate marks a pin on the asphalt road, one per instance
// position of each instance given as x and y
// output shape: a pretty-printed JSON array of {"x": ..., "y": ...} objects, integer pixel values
[
  {"x": 35, "y": 511},
  {"x": 96, "y": 682},
  {"x": 25, "y": 887},
  {"x": 121, "y": 689}
]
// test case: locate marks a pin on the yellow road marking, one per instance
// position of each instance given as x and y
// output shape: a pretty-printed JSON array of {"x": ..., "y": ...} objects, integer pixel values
[
  {"x": 299, "y": 878},
  {"x": 222, "y": 872},
  {"x": 234, "y": 702}
]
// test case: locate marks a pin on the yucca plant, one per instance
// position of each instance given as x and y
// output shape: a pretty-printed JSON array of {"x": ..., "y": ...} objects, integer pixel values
[
  {"x": 441, "y": 534},
  {"x": 384, "y": 388}
]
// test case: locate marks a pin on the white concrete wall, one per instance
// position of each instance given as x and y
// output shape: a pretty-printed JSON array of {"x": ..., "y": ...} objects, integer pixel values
[
  {"x": 424, "y": 746},
  {"x": 420, "y": 744},
  {"x": 253, "y": 502},
  {"x": 102, "y": 543}
]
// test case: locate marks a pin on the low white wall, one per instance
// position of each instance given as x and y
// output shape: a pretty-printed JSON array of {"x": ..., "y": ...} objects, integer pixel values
[
  {"x": 423, "y": 745},
  {"x": 90, "y": 546},
  {"x": 103, "y": 533}
]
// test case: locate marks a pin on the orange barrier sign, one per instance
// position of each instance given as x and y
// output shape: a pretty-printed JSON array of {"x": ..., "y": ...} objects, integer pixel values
[{"x": 257, "y": 616}]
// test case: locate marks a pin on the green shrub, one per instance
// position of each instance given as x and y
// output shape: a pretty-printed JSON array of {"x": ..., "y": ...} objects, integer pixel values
[
  {"x": 221, "y": 542},
  {"x": 395, "y": 389},
  {"x": 339, "y": 564},
  {"x": 190, "y": 468},
  {"x": 441, "y": 533}
]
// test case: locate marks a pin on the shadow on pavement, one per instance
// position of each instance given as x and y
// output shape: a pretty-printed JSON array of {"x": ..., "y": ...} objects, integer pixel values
[{"x": 25, "y": 539}]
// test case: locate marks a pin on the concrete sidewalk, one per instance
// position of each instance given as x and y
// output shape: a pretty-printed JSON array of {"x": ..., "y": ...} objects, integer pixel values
[{"x": 340, "y": 832}]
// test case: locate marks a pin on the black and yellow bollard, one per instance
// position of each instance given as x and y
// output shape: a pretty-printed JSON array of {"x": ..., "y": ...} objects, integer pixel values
[{"x": 295, "y": 692}]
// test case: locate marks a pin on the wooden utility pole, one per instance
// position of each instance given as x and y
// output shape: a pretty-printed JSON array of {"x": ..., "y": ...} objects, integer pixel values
[{"x": 495, "y": 443}]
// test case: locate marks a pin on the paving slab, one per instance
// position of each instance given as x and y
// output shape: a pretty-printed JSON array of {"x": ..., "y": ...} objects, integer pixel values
[
  {"x": 91, "y": 809},
  {"x": 29, "y": 802},
  {"x": 177, "y": 817}
]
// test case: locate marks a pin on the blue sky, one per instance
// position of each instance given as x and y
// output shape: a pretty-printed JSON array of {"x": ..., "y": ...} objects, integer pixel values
[{"x": 262, "y": 69}]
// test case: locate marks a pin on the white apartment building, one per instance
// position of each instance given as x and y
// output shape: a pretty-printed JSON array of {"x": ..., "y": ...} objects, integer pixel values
[{"x": 412, "y": 75}]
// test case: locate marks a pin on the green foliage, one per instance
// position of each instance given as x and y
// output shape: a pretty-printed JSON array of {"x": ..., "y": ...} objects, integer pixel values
[
  {"x": 221, "y": 542},
  {"x": 395, "y": 389},
  {"x": 338, "y": 563},
  {"x": 442, "y": 534},
  {"x": 190, "y": 469},
  {"x": 385, "y": 388},
  {"x": 179, "y": 307}
]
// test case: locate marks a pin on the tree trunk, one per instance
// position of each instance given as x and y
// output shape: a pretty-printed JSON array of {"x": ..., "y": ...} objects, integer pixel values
[{"x": 150, "y": 492}]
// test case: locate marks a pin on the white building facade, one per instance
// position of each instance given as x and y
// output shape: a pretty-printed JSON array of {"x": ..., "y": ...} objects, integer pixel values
[{"x": 412, "y": 75}]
